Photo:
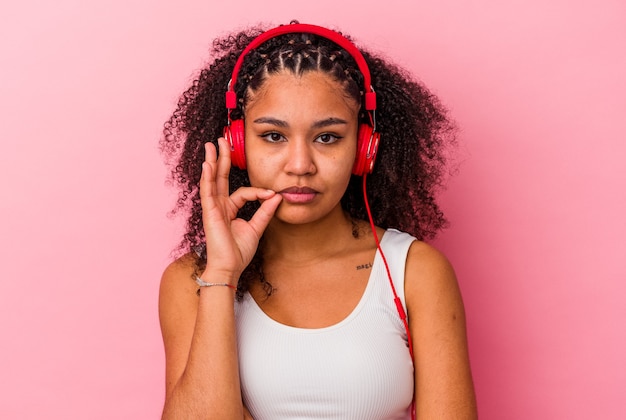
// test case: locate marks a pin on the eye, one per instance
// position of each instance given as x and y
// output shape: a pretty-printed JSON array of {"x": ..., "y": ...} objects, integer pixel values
[
  {"x": 272, "y": 137},
  {"x": 327, "y": 138}
]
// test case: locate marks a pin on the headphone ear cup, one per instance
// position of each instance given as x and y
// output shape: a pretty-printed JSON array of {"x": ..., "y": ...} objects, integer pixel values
[
  {"x": 366, "y": 149},
  {"x": 234, "y": 134}
]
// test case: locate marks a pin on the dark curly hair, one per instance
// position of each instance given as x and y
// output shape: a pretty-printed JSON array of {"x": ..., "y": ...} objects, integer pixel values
[{"x": 414, "y": 127}]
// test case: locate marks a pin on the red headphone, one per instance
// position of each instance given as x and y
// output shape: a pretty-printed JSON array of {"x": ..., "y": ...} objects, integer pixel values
[{"x": 367, "y": 137}]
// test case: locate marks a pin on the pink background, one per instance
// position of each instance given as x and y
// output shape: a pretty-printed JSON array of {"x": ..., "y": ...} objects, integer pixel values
[{"x": 537, "y": 207}]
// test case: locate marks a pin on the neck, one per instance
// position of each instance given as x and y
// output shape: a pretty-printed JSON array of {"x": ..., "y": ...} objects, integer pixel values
[{"x": 308, "y": 242}]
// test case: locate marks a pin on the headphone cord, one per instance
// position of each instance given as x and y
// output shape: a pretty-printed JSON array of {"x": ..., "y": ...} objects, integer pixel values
[{"x": 396, "y": 299}]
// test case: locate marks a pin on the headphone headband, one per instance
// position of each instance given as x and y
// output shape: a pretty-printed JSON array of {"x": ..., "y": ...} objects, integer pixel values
[{"x": 343, "y": 42}]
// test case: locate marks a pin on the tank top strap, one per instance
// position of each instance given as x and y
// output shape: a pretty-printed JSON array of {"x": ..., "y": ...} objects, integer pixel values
[{"x": 395, "y": 245}]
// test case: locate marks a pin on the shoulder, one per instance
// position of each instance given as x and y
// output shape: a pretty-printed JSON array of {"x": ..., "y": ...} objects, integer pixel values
[
  {"x": 423, "y": 261},
  {"x": 437, "y": 322},
  {"x": 429, "y": 277},
  {"x": 178, "y": 307},
  {"x": 179, "y": 274},
  {"x": 183, "y": 266},
  {"x": 427, "y": 259},
  {"x": 177, "y": 292}
]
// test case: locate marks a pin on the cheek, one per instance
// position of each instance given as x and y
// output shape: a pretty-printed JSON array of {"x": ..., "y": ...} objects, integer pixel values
[
  {"x": 349, "y": 158},
  {"x": 259, "y": 170},
  {"x": 342, "y": 168},
  {"x": 339, "y": 169}
]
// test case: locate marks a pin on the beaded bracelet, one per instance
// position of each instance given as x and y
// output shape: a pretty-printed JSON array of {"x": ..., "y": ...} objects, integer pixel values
[{"x": 203, "y": 283}]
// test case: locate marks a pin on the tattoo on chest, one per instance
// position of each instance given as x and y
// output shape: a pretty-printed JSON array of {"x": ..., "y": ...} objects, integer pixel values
[{"x": 365, "y": 266}]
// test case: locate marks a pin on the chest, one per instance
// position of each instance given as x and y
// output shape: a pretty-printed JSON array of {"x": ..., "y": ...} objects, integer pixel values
[
  {"x": 314, "y": 295},
  {"x": 357, "y": 368}
]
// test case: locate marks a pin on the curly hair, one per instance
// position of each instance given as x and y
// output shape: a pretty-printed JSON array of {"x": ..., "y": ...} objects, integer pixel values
[{"x": 415, "y": 131}]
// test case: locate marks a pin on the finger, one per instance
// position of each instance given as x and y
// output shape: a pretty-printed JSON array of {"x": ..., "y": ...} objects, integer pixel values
[
  {"x": 223, "y": 167},
  {"x": 264, "y": 214},
  {"x": 210, "y": 152},
  {"x": 207, "y": 187},
  {"x": 245, "y": 194},
  {"x": 207, "y": 179}
]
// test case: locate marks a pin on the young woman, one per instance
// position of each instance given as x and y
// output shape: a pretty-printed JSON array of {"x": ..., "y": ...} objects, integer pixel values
[{"x": 287, "y": 301}]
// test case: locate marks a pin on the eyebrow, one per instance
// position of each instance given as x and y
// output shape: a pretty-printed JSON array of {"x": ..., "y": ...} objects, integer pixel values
[{"x": 317, "y": 124}]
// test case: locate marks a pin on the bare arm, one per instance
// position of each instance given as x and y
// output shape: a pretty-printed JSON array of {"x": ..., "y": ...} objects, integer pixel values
[
  {"x": 443, "y": 380},
  {"x": 202, "y": 373},
  {"x": 202, "y": 377}
]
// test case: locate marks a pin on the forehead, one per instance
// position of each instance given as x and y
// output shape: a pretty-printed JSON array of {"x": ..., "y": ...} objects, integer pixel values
[{"x": 312, "y": 91}]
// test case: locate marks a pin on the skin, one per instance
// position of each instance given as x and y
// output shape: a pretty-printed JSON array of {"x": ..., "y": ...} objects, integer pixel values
[{"x": 300, "y": 148}]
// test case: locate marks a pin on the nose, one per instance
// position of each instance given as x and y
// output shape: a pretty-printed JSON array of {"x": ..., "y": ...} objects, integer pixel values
[{"x": 300, "y": 158}]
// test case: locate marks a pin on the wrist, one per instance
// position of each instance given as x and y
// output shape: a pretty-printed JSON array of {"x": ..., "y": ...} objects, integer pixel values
[
  {"x": 202, "y": 283},
  {"x": 213, "y": 275},
  {"x": 213, "y": 280}
]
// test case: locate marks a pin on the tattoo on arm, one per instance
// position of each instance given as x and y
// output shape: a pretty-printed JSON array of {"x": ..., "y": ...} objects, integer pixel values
[{"x": 364, "y": 266}]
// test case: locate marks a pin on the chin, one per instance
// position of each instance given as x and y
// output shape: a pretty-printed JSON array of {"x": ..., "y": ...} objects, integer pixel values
[
  {"x": 296, "y": 218},
  {"x": 302, "y": 214}
]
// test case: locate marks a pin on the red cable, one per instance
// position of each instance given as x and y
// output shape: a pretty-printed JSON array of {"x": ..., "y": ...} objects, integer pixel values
[{"x": 396, "y": 299}]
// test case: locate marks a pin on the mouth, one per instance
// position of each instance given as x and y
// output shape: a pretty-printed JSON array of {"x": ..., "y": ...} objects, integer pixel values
[{"x": 298, "y": 195}]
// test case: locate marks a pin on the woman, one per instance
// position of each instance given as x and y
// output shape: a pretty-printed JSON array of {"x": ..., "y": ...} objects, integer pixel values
[{"x": 287, "y": 303}]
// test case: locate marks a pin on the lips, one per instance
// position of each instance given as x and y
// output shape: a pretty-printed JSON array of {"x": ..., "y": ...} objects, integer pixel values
[{"x": 298, "y": 195}]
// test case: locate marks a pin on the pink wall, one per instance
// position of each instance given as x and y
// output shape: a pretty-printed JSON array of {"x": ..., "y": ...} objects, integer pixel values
[{"x": 537, "y": 207}]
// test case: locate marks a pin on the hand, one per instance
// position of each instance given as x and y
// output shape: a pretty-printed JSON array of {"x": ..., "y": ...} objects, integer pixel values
[{"x": 230, "y": 242}]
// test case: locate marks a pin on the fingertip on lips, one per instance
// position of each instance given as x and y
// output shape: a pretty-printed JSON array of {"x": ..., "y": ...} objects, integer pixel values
[{"x": 268, "y": 193}]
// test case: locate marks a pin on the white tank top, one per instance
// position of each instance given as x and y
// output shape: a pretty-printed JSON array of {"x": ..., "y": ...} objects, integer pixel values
[{"x": 359, "y": 368}]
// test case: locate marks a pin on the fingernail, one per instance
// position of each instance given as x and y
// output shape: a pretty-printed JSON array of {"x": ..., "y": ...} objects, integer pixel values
[{"x": 267, "y": 193}]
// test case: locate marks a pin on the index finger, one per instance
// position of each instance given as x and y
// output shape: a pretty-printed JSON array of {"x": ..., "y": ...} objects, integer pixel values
[{"x": 223, "y": 167}]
